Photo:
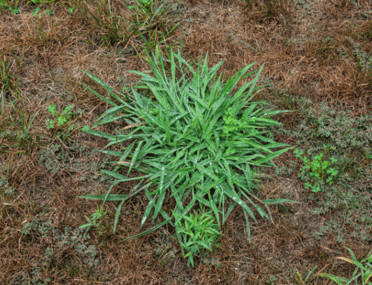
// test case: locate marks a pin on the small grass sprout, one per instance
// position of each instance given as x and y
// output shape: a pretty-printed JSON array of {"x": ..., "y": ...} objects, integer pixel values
[
  {"x": 362, "y": 272},
  {"x": 304, "y": 281},
  {"x": 15, "y": 129},
  {"x": 95, "y": 221},
  {"x": 178, "y": 140},
  {"x": 197, "y": 232}
]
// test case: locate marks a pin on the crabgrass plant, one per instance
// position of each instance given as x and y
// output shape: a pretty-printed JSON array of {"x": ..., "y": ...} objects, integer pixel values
[{"x": 193, "y": 141}]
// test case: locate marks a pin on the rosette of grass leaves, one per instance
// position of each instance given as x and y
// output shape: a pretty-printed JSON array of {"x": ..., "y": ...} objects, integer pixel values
[{"x": 193, "y": 140}]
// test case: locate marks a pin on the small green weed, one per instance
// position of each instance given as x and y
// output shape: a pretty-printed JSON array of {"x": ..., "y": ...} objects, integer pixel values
[
  {"x": 326, "y": 48},
  {"x": 301, "y": 3},
  {"x": 40, "y": 1},
  {"x": 144, "y": 5},
  {"x": 62, "y": 123},
  {"x": 62, "y": 119},
  {"x": 362, "y": 272},
  {"x": 42, "y": 13},
  {"x": 113, "y": 28},
  {"x": 197, "y": 232},
  {"x": 318, "y": 171}
]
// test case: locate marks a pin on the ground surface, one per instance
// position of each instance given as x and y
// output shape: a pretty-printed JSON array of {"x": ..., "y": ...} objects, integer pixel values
[{"x": 317, "y": 57}]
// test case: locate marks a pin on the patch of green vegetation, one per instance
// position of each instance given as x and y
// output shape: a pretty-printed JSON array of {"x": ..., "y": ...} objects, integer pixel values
[
  {"x": 197, "y": 233},
  {"x": 190, "y": 142},
  {"x": 350, "y": 144},
  {"x": 40, "y": 13},
  {"x": 68, "y": 252},
  {"x": 13, "y": 6}
]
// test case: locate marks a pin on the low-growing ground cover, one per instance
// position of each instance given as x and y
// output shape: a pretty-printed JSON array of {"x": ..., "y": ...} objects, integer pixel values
[{"x": 65, "y": 63}]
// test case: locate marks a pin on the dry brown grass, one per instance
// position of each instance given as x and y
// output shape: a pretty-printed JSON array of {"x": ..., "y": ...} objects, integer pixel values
[{"x": 45, "y": 58}]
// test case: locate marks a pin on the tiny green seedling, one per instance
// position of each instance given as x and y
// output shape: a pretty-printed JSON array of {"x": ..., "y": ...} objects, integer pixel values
[
  {"x": 62, "y": 121},
  {"x": 41, "y": 14},
  {"x": 316, "y": 172}
]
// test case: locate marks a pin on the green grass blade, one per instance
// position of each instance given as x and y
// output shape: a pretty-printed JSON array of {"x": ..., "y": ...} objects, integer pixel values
[
  {"x": 149, "y": 207},
  {"x": 162, "y": 193},
  {"x": 272, "y": 156},
  {"x": 278, "y": 201},
  {"x": 148, "y": 231},
  {"x": 117, "y": 215},
  {"x": 248, "y": 227},
  {"x": 105, "y": 86},
  {"x": 111, "y": 197},
  {"x": 135, "y": 156}
]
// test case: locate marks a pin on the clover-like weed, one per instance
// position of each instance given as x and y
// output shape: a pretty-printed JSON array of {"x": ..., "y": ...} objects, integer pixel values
[
  {"x": 317, "y": 172},
  {"x": 62, "y": 118},
  {"x": 178, "y": 141},
  {"x": 62, "y": 122}
]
